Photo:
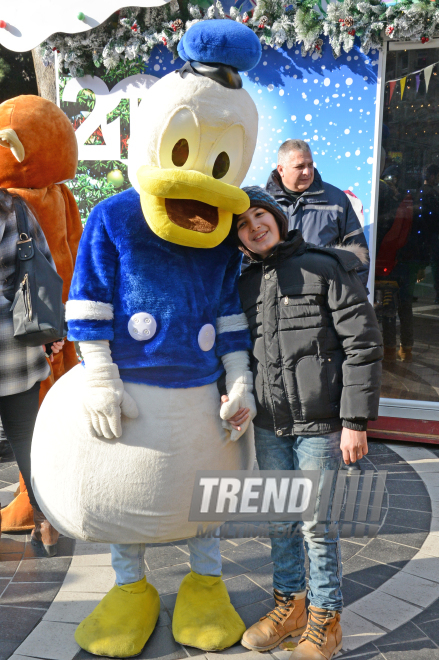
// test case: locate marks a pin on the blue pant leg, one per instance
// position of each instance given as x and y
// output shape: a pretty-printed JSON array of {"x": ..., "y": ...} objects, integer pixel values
[
  {"x": 325, "y": 574},
  {"x": 128, "y": 561},
  {"x": 287, "y": 553},
  {"x": 205, "y": 556}
]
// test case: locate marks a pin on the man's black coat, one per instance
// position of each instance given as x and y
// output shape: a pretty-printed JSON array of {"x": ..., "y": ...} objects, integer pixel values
[{"x": 323, "y": 214}]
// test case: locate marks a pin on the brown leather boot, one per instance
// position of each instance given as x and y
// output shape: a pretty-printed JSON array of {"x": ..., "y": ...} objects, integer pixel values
[
  {"x": 389, "y": 354},
  {"x": 287, "y": 619},
  {"x": 44, "y": 535},
  {"x": 18, "y": 516},
  {"x": 322, "y": 637},
  {"x": 405, "y": 354}
]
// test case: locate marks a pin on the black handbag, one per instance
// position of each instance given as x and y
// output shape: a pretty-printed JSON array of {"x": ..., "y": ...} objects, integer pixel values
[{"x": 37, "y": 308}]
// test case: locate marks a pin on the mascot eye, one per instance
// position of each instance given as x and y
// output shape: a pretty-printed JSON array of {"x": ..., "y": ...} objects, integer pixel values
[
  {"x": 180, "y": 152},
  {"x": 221, "y": 165},
  {"x": 225, "y": 158},
  {"x": 180, "y": 141}
]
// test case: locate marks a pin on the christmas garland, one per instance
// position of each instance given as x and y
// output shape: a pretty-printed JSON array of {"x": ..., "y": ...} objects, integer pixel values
[{"x": 130, "y": 35}]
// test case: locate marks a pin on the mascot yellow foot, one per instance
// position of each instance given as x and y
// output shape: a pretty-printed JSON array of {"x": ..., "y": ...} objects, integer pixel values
[
  {"x": 123, "y": 621},
  {"x": 204, "y": 616}
]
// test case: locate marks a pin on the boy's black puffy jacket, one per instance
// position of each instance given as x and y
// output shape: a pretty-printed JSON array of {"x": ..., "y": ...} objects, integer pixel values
[{"x": 317, "y": 348}]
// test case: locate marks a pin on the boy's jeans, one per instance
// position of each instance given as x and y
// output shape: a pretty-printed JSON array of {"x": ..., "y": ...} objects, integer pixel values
[
  {"x": 128, "y": 560},
  {"x": 305, "y": 453}
]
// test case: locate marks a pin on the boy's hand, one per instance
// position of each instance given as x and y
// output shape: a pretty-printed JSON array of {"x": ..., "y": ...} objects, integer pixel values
[
  {"x": 239, "y": 417},
  {"x": 353, "y": 445}
]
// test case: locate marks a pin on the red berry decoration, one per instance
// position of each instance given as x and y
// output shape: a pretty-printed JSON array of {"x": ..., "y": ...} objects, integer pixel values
[
  {"x": 3, "y": 24},
  {"x": 389, "y": 30},
  {"x": 425, "y": 39},
  {"x": 246, "y": 19},
  {"x": 134, "y": 27},
  {"x": 352, "y": 32},
  {"x": 164, "y": 41}
]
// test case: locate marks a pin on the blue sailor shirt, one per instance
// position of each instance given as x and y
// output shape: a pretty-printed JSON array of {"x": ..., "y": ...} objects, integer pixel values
[{"x": 169, "y": 311}]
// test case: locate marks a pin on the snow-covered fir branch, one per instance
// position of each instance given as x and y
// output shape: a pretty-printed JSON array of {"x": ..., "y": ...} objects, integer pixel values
[{"x": 130, "y": 34}]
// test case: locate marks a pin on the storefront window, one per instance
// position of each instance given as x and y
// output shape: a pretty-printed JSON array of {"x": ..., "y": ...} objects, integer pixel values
[{"x": 407, "y": 263}]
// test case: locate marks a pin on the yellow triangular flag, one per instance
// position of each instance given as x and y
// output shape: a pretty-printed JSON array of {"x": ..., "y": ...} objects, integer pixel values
[
  {"x": 427, "y": 75},
  {"x": 402, "y": 83}
]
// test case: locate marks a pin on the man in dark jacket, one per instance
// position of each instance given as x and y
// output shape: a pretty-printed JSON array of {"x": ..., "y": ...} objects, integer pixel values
[
  {"x": 317, "y": 353},
  {"x": 323, "y": 213}
]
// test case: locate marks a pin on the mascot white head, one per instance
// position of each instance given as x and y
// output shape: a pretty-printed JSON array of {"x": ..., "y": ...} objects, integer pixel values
[{"x": 200, "y": 131}]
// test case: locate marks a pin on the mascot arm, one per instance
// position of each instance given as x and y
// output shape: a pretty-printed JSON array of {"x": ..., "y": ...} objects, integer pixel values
[
  {"x": 232, "y": 345},
  {"x": 89, "y": 310},
  {"x": 73, "y": 220},
  {"x": 232, "y": 332},
  {"x": 90, "y": 317},
  {"x": 104, "y": 396},
  {"x": 239, "y": 386}
]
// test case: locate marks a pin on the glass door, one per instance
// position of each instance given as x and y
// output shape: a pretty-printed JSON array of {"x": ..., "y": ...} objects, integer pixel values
[{"x": 407, "y": 251}]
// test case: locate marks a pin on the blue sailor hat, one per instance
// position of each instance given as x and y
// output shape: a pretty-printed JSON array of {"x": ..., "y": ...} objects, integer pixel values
[{"x": 218, "y": 49}]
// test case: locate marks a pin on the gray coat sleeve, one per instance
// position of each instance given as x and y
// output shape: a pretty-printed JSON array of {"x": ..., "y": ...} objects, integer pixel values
[
  {"x": 357, "y": 328},
  {"x": 353, "y": 233}
]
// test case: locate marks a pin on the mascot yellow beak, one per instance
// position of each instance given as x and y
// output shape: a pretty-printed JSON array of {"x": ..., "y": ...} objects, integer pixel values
[{"x": 187, "y": 207}]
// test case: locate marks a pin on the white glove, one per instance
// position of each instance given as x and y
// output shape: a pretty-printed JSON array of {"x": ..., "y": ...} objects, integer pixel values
[
  {"x": 104, "y": 395},
  {"x": 239, "y": 385}
]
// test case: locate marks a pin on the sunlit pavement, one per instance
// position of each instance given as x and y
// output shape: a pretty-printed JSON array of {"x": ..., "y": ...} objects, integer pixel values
[{"x": 390, "y": 585}]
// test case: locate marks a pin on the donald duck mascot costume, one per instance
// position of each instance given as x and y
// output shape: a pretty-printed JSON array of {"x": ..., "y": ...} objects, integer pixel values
[{"x": 155, "y": 309}]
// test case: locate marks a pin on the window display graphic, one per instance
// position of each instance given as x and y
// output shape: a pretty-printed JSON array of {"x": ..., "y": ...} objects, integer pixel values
[{"x": 329, "y": 103}]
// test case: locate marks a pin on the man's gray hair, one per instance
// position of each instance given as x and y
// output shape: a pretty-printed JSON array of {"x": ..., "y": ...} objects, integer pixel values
[{"x": 287, "y": 147}]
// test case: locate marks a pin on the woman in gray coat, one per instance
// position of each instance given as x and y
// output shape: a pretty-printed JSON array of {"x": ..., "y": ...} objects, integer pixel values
[{"x": 22, "y": 368}]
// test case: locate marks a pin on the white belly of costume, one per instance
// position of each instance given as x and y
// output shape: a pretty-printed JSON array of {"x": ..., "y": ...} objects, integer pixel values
[{"x": 136, "y": 489}]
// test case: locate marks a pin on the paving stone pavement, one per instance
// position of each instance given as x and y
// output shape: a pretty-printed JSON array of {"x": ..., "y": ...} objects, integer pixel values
[{"x": 390, "y": 584}]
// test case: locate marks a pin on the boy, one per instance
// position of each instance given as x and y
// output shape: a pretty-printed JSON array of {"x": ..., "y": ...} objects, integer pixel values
[{"x": 317, "y": 353}]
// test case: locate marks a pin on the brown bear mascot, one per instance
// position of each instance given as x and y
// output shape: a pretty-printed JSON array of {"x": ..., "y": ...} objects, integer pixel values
[{"x": 40, "y": 153}]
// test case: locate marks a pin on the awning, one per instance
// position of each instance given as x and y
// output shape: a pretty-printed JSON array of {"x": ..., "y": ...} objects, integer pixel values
[{"x": 30, "y": 22}]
